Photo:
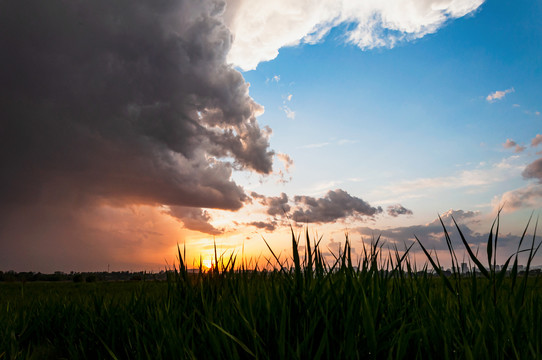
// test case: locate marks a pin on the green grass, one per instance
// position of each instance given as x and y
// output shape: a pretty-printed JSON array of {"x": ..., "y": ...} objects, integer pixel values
[{"x": 378, "y": 308}]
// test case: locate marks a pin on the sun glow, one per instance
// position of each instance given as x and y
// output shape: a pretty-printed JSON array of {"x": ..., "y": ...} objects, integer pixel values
[{"x": 207, "y": 264}]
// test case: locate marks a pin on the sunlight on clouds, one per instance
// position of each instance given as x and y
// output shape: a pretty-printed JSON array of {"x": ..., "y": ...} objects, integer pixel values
[
  {"x": 527, "y": 197},
  {"x": 262, "y": 27}
]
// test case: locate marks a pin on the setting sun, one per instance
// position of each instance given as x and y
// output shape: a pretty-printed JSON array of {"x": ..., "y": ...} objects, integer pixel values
[{"x": 207, "y": 264}]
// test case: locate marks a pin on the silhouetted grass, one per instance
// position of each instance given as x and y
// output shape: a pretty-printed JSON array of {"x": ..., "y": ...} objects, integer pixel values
[{"x": 381, "y": 307}]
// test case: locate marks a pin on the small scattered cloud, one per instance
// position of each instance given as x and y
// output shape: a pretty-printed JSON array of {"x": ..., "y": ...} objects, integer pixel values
[
  {"x": 516, "y": 105},
  {"x": 512, "y": 144},
  {"x": 398, "y": 209},
  {"x": 282, "y": 177},
  {"x": 335, "y": 205},
  {"x": 289, "y": 97},
  {"x": 509, "y": 144},
  {"x": 315, "y": 145},
  {"x": 499, "y": 95},
  {"x": 286, "y": 160},
  {"x": 537, "y": 140},
  {"x": 537, "y": 113},
  {"x": 275, "y": 78},
  {"x": 290, "y": 114},
  {"x": 346, "y": 141},
  {"x": 339, "y": 142}
]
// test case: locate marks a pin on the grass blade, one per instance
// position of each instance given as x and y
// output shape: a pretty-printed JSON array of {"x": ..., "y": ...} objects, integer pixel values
[{"x": 471, "y": 254}]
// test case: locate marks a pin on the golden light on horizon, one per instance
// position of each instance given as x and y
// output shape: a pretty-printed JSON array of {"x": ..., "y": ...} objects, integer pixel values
[{"x": 207, "y": 264}]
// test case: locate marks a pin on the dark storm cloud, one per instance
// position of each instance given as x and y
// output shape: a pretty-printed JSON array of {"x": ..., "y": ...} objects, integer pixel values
[
  {"x": 276, "y": 205},
  {"x": 194, "y": 219},
  {"x": 534, "y": 170},
  {"x": 335, "y": 205},
  {"x": 129, "y": 101},
  {"x": 398, "y": 209}
]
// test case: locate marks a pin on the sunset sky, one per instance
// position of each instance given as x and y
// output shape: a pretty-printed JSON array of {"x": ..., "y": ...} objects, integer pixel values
[{"x": 129, "y": 127}]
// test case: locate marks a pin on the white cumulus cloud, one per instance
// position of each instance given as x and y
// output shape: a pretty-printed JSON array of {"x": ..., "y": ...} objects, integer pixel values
[
  {"x": 498, "y": 95},
  {"x": 262, "y": 27}
]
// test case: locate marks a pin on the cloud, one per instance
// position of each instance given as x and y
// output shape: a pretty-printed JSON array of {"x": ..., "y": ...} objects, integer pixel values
[
  {"x": 529, "y": 196},
  {"x": 534, "y": 170},
  {"x": 276, "y": 205},
  {"x": 484, "y": 174},
  {"x": 131, "y": 102},
  {"x": 290, "y": 114},
  {"x": 498, "y": 95},
  {"x": 537, "y": 140},
  {"x": 335, "y": 205},
  {"x": 398, "y": 209},
  {"x": 526, "y": 197},
  {"x": 512, "y": 144},
  {"x": 432, "y": 234},
  {"x": 286, "y": 160},
  {"x": 266, "y": 225},
  {"x": 121, "y": 104},
  {"x": 67, "y": 238},
  {"x": 509, "y": 144},
  {"x": 262, "y": 27},
  {"x": 346, "y": 141},
  {"x": 313, "y": 146},
  {"x": 275, "y": 78},
  {"x": 194, "y": 219}
]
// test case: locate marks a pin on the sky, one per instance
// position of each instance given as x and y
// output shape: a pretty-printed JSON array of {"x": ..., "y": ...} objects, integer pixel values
[{"x": 128, "y": 128}]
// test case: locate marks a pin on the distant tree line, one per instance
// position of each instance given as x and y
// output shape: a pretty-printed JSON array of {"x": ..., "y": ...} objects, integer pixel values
[
  {"x": 78, "y": 277},
  {"x": 12, "y": 276}
]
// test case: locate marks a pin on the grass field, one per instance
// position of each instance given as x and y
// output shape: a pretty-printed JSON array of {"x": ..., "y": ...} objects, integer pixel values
[{"x": 379, "y": 308}]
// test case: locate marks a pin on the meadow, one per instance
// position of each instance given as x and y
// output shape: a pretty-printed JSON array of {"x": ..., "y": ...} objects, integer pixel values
[{"x": 377, "y": 307}]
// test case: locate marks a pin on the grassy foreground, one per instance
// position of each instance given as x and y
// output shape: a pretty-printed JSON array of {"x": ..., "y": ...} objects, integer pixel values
[{"x": 378, "y": 308}]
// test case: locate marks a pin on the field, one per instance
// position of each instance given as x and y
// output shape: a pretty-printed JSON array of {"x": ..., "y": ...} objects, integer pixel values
[{"x": 379, "y": 308}]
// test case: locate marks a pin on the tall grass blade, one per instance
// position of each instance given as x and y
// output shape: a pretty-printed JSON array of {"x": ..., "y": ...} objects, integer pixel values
[
  {"x": 455, "y": 264},
  {"x": 437, "y": 268},
  {"x": 490, "y": 245},
  {"x": 237, "y": 341},
  {"x": 471, "y": 254},
  {"x": 514, "y": 271}
]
